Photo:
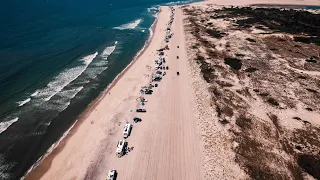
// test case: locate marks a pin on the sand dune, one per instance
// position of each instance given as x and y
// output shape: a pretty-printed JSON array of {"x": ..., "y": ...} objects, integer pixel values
[{"x": 249, "y": 2}]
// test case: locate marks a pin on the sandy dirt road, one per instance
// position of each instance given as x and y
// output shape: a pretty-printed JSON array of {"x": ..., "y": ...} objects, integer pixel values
[{"x": 166, "y": 143}]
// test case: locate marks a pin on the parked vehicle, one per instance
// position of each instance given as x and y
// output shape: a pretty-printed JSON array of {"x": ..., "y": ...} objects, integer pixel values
[
  {"x": 141, "y": 110},
  {"x": 127, "y": 130},
  {"x": 177, "y": 57},
  {"x": 178, "y": 73},
  {"x": 121, "y": 148},
  {"x": 136, "y": 119},
  {"x": 112, "y": 175},
  {"x": 148, "y": 91},
  {"x": 167, "y": 67},
  {"x": 155, "y": 85}
]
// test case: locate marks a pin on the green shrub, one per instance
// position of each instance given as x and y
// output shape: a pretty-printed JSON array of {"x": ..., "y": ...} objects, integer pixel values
[
  {"x": 234, "y": 63},
  {"x": 251, "y": 40}
]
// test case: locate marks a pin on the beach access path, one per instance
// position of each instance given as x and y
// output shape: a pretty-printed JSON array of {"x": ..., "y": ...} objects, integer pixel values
[{"x": 166, "y": 144}]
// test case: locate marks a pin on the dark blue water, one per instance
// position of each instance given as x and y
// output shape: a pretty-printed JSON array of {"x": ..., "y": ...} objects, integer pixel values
[{"x": 56, "y": 57}]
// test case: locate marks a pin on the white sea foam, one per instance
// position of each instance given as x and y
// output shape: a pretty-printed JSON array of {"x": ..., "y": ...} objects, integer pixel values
[
  {"x": 131, "y": 25},
  {"x": 35, "y": 93},
  {"x": 63, "y": 101},
  {"x": 179, "y": 2},
  {"x": 108, "y": 50},
  {"x": 5, "y": 168},
  {"x": 153, "y": 8},
  {"x": 151, "y": 32},
  {"x": 21, "y": 103},
  {"x": 65, "y": 78},
  {"x": 71, "y": 93},
  {"x": 5, "y": 125},
  {"x": 99, "y": 66}
]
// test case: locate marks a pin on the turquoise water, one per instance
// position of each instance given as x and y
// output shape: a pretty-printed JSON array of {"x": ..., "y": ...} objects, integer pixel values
[{"x": 56, "y": 57}]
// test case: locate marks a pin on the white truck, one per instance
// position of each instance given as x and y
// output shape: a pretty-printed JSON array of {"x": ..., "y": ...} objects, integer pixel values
[
  {"x": 121, "y": 148},
  {"x": 127, "y": 130}
]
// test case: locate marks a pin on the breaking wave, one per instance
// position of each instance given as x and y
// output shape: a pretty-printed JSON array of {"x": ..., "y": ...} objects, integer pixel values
[
  {"x": 35, "y": 93},
  {"x": 131, "y": 25},
  {"x": 179, "y": 2},
  {"x": 108, "y": 50},
  {"x": 98, "y": 67},
  {"x": 21, "y": 103},
  {"x": 64, "y": 78},
  {"x": 153, "y": 8},
  {"x": 5, "y": 125}
]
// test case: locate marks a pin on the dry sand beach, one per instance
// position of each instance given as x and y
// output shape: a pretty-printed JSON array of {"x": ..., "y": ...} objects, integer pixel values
[{"x": 212, "y": 121}]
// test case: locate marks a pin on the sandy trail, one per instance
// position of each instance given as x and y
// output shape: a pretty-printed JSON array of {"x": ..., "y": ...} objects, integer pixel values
[
  {"x": 165, "y": 142},
  {"x": 166, "y": 146}
]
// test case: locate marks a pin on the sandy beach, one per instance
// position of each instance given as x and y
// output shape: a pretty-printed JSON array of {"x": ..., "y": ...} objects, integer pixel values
[
  {"x": 181, "y": 135},
  {"x": 165, "y": 142}
]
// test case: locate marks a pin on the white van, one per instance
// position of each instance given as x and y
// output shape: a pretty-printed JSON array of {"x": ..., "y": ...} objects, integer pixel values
[
  {"x": 121, "y": 147},
  {"x": 127, "y": 130}
]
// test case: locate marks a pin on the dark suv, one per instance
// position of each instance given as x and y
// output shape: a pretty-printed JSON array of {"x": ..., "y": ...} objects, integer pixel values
[
  {"x": 135, "y": 119},
  {"x": 141, "y": 110}
]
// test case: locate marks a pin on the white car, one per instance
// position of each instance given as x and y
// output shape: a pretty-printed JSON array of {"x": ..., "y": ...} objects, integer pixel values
[
  {"x": 112, "y": 174},
  {"x": 127, "y": 130}
]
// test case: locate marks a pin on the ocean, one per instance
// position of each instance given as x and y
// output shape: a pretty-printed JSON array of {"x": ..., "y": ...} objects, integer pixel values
[{"x": 57, "y": 57}]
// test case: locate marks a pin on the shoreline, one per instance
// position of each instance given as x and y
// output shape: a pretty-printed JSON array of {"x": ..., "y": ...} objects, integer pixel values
[
  {"x": 46, "y": 160},
  {"x": 88, "y": 152}
]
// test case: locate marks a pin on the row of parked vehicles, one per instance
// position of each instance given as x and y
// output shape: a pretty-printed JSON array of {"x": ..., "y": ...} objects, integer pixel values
[{"x": 122, "y": 145}]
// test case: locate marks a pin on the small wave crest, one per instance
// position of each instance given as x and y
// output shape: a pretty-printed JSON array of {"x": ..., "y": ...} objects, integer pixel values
[
  {"x": 5, "y": 125},
  {"x": 179, "y": 2},
  {"x": 131, "y": 25},
  {"x": 21, "y": 103},
  {"x": 153, "y": 8},
  {"x": 35, "y": 93}
]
